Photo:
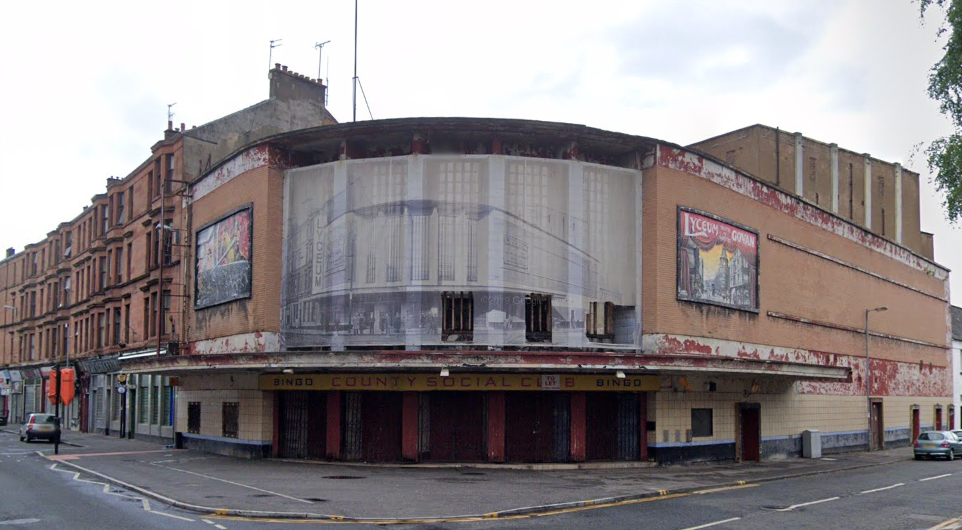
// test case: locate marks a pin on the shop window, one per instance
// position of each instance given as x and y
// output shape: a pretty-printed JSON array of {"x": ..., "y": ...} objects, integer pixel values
[
  {"x": 231, "y": 416},
  {"x": 457, "y": 316},
  {"x": 193, "y": 417},
  {"x": 165, "y": 400},
  {"x": 701, "y": 422},
  {"x": 537, "y": 317}
]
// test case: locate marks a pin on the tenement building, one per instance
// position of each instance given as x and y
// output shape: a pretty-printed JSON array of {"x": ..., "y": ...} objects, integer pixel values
[
  {"x": 107, "y": 286},
  {"x": 491, "y": 290}
]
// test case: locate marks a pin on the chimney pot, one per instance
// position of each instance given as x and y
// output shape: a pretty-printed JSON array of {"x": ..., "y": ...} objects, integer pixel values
[
  {"x": 277, "y": 66},
  {"x": 170, "y": 125},
  {"x": 11, "y": 251},
  {"x": 182, "y": 128},
  {"x": 284, "y": 67}
]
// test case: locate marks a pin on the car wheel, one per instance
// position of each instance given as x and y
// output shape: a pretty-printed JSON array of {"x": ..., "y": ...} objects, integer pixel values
[
  {"x": 918, "y": 457},
  {"x": 951, "y": 455}
]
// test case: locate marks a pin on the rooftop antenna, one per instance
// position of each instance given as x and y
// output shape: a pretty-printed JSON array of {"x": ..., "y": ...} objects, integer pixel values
[
  {"x": 170, "y": 112},
  {"x": 270, "y": 56},
  {"x": 320, "y": 52},
  {"x": 354, "y": 97}
]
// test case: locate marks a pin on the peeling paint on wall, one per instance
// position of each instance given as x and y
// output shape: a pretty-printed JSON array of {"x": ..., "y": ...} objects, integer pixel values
[
  {"x": 251, "y": 159},
  {"x": 889, "y": 378},
  {"x": 688, "y": 162},
  {"x": 257, "y": 342}
]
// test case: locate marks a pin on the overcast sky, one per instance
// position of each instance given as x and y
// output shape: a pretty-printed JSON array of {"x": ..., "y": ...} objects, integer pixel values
[{"x": 86, "y": 84}]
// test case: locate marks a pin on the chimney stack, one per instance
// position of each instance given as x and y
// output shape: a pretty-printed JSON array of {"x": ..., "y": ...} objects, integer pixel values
[
  {"x": 288, "y": 85},
  {"x": 11, "y": 251}
]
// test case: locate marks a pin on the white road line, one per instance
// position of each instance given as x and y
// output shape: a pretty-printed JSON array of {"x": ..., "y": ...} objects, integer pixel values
[
  {"x": 935, "y": 477},
  {"x": 882, "y": 489},
  {"x": 17, "y": 522},
  {"x": 235, "y": 484},
  {"x": 148, "y": 509},
  {"x": 711, "y": 524},
  {"x": 107, "y": 490},
  {"x": 790, "y": 508}
]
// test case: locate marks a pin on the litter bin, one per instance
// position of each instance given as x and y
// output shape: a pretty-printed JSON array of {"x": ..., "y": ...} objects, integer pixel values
[{"x": 812, "y": 444}]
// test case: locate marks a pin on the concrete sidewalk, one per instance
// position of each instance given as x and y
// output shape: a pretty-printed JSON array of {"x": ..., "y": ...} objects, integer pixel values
[{"x": 223, "y": 485}]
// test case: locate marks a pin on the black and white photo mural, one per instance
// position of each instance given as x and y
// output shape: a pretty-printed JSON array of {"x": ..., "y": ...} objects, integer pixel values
[{"x": 489, "y": 250}]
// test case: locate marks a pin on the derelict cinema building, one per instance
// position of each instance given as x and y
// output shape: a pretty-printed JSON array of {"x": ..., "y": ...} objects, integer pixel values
[{"x": 491, "y": 290}]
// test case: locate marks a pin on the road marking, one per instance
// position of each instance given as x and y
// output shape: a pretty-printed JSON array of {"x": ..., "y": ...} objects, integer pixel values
[
  {"x": 725, "y": 488},
  {"x": 712, "y": 524},
  {"x": 882, "y": 489},
  {"x": 235, "y": 483},
  {"x": 215, "y": 524},
  {"x": 947, "y": 525},
  {"x": 17, "y": 522},
  {"x": 107, "y": 489},
  {"x": 790, "y": 508},
  {"x": 935, "y": 477}
]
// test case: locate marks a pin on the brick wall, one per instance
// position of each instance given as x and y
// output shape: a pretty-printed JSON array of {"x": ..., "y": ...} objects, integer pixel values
[{"x": 791, "y": 281}]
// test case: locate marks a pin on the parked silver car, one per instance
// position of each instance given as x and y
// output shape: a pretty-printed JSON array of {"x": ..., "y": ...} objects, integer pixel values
[
  {"x": 937, "y": 443},
  {"x": 40, "y": 426}
]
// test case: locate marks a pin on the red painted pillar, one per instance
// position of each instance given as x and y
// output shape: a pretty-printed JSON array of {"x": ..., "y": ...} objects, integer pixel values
[
  {"x": 410, "y": 429},
  {"x": 276, "y": 436},
  {"x": 333, "y": 442},
  {"x": 579, "y": 427},
  {"x": 496, "y": 426},
  {"x": 643, "y": 408}
]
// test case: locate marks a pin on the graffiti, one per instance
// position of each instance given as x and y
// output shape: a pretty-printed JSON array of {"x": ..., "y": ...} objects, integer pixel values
[
  {"x": 223, "y": 260},
  {"x": 717, "y": 261}
]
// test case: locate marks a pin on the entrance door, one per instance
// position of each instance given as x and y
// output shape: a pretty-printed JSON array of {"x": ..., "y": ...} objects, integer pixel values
[
  {"x": 750, "y": 431},
  {"x": 916, "y": 424},
  {"x": 938, "y": 418},
  {"x": 878, "y": 430},
  {"x": 457, "y": 426},
  {"x": 529, "y": 426},
  {"x": 302, "y": 429}
]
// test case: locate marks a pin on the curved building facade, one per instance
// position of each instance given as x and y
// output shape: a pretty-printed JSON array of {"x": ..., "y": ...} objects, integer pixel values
[{"x": 456, "y": 289}]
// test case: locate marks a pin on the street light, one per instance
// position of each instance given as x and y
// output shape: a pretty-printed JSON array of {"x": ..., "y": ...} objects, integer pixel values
[{"x": 868, "y": 376}]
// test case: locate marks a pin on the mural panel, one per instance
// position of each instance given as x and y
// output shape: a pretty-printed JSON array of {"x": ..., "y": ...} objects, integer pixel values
[
  {"x": 223, "y": 267},
  {"x": 717, "y": 261}
]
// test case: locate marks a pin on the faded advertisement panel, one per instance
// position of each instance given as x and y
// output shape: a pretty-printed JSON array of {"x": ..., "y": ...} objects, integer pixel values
[
  {"x": 521, "y": 246},
  {"x": 717, "y": 261},
  {"x": 223, "y": 267}
]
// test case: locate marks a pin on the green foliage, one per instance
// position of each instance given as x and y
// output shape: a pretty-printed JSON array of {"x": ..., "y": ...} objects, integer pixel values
[{"x": 945, "y": 86}]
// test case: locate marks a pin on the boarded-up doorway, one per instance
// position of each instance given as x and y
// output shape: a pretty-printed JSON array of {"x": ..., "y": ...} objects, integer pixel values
[
  {"x": 457, "y": 426},
  {"x": 530, "y": 426},
  {"x": 749, "y": 432}
]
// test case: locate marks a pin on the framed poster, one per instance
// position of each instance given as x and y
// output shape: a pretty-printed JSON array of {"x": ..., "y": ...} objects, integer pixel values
[
  {"x": 717, "y": 261},
  {"x": 223, "y": 259}
]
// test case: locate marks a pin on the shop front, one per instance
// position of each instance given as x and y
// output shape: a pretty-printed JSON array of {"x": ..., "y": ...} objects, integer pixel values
[{"x": 460, "y": 417}]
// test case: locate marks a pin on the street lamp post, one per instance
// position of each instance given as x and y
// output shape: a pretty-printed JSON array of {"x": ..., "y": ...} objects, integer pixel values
[{"x": 868, "y": 376}]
